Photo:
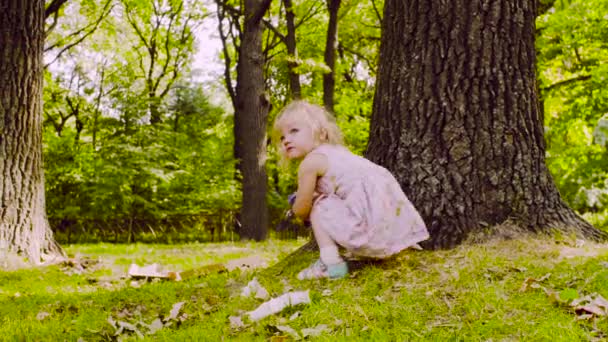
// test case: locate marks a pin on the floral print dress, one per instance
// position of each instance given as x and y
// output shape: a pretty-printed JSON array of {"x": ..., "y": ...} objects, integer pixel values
[{"x": 362, "y": 207}]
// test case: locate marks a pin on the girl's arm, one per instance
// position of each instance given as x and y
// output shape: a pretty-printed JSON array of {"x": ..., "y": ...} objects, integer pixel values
[{"x": 312, "y": 167}]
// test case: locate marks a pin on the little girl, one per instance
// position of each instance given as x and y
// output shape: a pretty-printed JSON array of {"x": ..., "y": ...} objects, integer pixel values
[{"x": 349, "y": 200}]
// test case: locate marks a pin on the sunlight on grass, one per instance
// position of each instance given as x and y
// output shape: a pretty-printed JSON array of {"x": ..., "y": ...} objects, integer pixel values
[{"x": 473, "y": 292}]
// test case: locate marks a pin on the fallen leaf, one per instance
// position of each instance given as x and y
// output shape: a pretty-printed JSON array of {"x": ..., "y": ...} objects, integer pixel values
[
  {"x": 147, "y": 271},
  {"x": 155, "y": 326},
  {"x": 581, "y": 300},
  {"x": 398, "y": 286},
  {"x": 533, "y": 283},
  {"x": 289, "y": 331},
  {"x": 127, "y": 326},
  {"x": 584, "y": 317},
  {"x": 112, "y": 322},
  {"x": 590, "y": 308},
  {"x": 236, "y": 322},
  {"x": 316, "y": 331},
  {"x": 254, "y": 287},
  {"x": 175, "y": 311},
  {"x": 294, "y": 316},
  {"x": 42, "y": 315}
]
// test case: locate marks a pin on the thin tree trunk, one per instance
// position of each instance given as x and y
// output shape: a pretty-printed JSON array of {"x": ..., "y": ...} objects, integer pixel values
[
  {"x": 250, "y": 118},
  {"x": 456, "y": 118},
  {"x": 290, "y": 43},
  {"x": 24, "y": 227},
  {"x": 331, "y": 44}
]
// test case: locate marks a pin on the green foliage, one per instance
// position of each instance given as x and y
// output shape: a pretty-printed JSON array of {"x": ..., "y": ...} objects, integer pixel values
[
  {"x": 358, "y": 43},
  {"x": 144, "y": 172},
  {"x": 105, "y": 162},
  {"x": 572, "y": 47}
]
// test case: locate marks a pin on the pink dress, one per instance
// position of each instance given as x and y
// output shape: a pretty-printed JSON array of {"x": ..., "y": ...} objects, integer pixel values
[{"x": 362, "y": 207}]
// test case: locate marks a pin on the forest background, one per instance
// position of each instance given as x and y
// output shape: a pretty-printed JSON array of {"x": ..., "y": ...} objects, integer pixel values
[{"x": 139, "y": 147}]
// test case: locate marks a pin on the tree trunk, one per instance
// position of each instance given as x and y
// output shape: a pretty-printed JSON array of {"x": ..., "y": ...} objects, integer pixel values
[
  {"x": 292, "y": 51},
  {"x": 24, "y": 228},
  {"x": 456, "y": 119},
  {"x": 330, "y": 54},
  {"x": 250, "y": 117}
]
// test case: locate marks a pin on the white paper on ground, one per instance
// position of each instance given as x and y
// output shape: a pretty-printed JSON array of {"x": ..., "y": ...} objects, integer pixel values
[{"x": 277, "y": 304}]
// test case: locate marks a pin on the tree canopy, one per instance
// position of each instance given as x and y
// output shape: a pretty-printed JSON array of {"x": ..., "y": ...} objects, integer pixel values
[{"x": 136, "y": 147}]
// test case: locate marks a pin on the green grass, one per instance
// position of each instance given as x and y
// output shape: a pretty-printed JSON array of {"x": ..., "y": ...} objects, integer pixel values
[{"x": 471, "y": 293}]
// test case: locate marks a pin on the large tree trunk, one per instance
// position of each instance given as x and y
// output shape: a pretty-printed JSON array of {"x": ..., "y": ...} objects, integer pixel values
[
  {"x": 456, "y": 119},
  {"x": 24, "y": 228},
  {"x": 250, "y": 117}
]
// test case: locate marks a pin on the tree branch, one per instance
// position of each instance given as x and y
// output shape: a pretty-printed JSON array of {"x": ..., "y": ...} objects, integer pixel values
[
  {"x": 378, "y": 14},
  {"x": 53, "y": 7},
  {"x": 106, "y": 11},
  {"x": 221, "y": 9},
  {"x": 261, "y": 10},
  {"x": 566, "y": 82},
  {"x": 274, "y": 30},
  {"x": 543, "y": 6}
]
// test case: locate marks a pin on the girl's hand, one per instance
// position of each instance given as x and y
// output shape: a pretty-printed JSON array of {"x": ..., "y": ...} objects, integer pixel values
[{"x": 291, "y": 199}]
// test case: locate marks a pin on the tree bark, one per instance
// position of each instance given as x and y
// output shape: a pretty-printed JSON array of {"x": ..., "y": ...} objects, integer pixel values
[
  {"x": 331, "y": 44},
  {"x": 292, "y": 51},
  {"x": 250, "y": 118},
  {"x": 24, "y": 228},
  {"x": 456, "y": 119}
]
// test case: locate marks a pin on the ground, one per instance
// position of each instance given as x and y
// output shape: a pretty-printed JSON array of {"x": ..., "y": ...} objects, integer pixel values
[{"x": 527, "y": 288}]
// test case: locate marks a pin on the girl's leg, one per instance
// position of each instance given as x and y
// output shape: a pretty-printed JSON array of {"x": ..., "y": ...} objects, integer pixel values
[
  {"x": 327, "y": 246},
  {"x": 330, "y": 264}
]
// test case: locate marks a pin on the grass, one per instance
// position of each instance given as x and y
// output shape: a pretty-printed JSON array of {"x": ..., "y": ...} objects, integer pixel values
[{"x": 471, "y": 293}]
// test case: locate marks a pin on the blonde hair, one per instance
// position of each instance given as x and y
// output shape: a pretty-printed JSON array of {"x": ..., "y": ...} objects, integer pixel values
[{"x": 321, "y": 122}]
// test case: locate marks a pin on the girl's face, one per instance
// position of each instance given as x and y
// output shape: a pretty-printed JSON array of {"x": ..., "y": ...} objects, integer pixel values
[{"x": 296, "y": 139}]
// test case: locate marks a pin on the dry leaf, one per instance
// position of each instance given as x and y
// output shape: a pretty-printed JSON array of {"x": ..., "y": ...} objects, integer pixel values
[
  {"x": 533, "y": 283},
  {"x": 289, "y": 331},
  {"x": 601, "y": 302},
  {"x": 42, "y": 315},
  {"x": 590, "y": 308},
  {"x": 147, "y": 271},
  {"x": 584, "y": 317},
  {"x": 175, "y": 311},
  {"x": 236, "y": 322},
  {"x": 316, "y": 331},
  {"x": 122, "y": 326},
  {"x": 581, "y": 300},
  {"x": 254, "y": 287},
  {"x": 155, "y": 326}
]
